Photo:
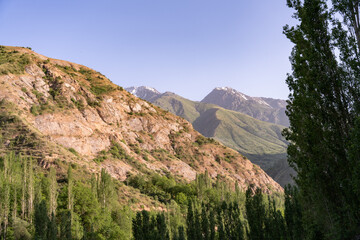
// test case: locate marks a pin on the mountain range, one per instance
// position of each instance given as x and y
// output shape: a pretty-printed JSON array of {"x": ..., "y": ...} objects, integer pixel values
[
  {"x": 265, "y": 109},
  {"x": 60, "y": 112},
  {"x": 234, "y": 124}
]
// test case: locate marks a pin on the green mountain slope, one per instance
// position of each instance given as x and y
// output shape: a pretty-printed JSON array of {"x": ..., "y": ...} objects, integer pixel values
[{"x": 259, "y": 141}]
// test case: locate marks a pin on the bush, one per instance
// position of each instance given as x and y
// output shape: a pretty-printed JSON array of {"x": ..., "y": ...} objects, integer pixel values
[
  {"x": 73, "y": 151},
  {"x": 101, "y": 89}
]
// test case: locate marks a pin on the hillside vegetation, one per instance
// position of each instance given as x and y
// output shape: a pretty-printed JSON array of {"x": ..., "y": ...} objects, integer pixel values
[
  {"x": 79, "y": 156},
  {"x": 259, "y": 141}
]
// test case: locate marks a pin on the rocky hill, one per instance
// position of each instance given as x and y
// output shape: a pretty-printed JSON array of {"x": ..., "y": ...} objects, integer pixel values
[
  {"x": 259, "y": 141},
  {"x": 264, "y": 109},
  {"x": 60, "y": 112}
]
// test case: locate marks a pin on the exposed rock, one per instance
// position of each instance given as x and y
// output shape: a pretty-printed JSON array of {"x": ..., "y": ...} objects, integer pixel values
[{"x": 82, "y": 110}]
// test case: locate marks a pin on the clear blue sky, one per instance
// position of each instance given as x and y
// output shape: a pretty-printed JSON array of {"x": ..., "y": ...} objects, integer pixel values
[{"x": 184, "y": 46}]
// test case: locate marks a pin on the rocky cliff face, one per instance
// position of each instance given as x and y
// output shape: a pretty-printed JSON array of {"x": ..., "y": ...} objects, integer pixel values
[
  {"x": 264, "y": 109},
  {"x": 78, "y": 115}
]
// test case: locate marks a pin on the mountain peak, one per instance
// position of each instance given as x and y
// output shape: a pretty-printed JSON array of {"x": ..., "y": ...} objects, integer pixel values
[
  {"x": 229, "y": 90},
  {"x": 265, "y": 109},
  {"x": 144, "y": 92}
]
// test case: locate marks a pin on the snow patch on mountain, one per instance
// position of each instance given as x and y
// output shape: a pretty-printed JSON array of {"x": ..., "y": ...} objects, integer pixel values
[{"x": 144, "y": 92}]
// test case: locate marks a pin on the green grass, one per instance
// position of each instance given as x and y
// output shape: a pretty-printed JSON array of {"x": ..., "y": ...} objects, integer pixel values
[
  {"x": 101, "y": 89},
  {"x": 11, "y": 61},
  {"x": 259, "y": 141}
]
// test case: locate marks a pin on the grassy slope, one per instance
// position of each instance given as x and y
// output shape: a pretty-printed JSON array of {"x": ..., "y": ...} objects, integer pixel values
[
  {"x": 259, "y": 141},
  {"x": 179, "y": 106}
]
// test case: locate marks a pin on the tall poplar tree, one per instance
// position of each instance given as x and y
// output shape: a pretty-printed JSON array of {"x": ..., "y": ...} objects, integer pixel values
[
  {"x": 70, "y": 197},
  {"x": 30, "y": 189},
  {"x": 255, "y": 212},
  {"x": 323, "y": 107},
  {"x": 105, "y": 188},
  {"x": 24, "y": 184},
  {"x": 53, "y": 192},
  {"x": 190, "y": 231}
]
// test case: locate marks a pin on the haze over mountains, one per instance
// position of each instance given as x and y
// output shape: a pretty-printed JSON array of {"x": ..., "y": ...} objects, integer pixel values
[{"x": 234, "y": 119}]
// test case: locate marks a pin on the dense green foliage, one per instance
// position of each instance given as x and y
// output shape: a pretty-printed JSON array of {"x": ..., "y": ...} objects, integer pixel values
[
  {"x": 43, "y": 205},
  {"x": 324, "y": 115},
  {"x": 34, "y": 205}
]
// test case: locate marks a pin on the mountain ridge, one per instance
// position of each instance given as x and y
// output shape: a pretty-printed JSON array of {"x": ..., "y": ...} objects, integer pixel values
[
  {"x": 98, "y": 124},
  {"x": 265, "y": 109},
  {"x": 234, "y": 129}
]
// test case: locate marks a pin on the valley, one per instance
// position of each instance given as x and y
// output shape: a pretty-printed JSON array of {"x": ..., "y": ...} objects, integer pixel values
[{"x": 259, "y": 141}]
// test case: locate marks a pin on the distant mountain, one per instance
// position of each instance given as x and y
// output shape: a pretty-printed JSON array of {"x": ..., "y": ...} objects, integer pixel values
[
  {"x": 259, "y": 141},
  {"x": 264, "y": 109},
  {"x": 147, "y": 93}
]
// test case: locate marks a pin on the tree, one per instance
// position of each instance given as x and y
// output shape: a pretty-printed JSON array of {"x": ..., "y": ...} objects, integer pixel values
[
  {"x": 30, "y": 189},
  {"x": 255, "y": 212},
  {"x": 5, "y": 207},
  {"x": 205, "y": 228},
  {"x": 234, "y": 221},
  {"x": 161, "y": 228},
  {"x": 220, "y": 225},
  {"x": 181, "y": 234},
  {"x": 137, "y": 227},
  {"x": 212, "y": 225},
  {"x": 70, "y": 198},
  {"x": 323, "y": 107},
  {"x": 190, "y": 231},
  {"x": 65, "y": 227},
  {"x": 105, "y": 188},
  {"x": 41, "y": 221},
  {"x": 293, "y": 214},
  {"x": 24, "y": 187},
  {"x": 53, "y": 192},
  {"x": 52, "y": 228}
]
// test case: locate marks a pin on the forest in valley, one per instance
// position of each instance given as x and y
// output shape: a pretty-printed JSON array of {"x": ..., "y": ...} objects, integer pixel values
[
  {"x": 324, "y": 149},
  {"x": 37, "y": 205}
]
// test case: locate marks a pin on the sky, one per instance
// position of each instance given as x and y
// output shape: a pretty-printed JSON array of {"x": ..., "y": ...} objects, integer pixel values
[{"x": 184, "y": 46}]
